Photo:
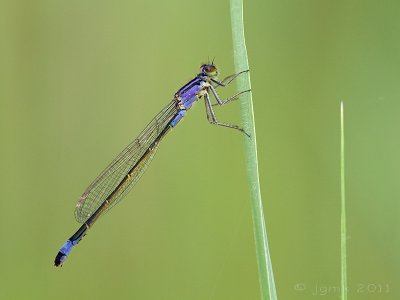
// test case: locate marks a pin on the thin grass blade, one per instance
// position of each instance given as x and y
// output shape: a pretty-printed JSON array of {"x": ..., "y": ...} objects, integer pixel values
[{"x": 343, "y": 230}]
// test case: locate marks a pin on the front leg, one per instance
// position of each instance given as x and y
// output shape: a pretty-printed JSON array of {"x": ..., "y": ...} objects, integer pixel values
[{"x": 227, "y": 80}]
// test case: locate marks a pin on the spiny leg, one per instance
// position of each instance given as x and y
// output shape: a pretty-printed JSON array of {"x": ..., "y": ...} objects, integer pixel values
[
  {"x": 213, "y": 120},
  {"x": 227, "y": 80},
  {"x": 223, "y": 102}
]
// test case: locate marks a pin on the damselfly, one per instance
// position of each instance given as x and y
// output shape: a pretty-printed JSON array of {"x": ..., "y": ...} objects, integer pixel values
[{"x": 125, "y": 170}]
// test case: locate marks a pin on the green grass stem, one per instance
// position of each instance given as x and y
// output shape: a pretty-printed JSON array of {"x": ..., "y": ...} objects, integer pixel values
[
  {"x": 266, "y": 277},
  {"x": 343, "y": 231}
]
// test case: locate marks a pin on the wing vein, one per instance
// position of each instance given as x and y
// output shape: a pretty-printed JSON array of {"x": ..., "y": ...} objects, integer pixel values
[{"x": 112, "y": 176}]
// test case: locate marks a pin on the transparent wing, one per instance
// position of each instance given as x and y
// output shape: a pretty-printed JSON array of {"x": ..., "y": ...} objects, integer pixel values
[{"x": 114, "y": 174}]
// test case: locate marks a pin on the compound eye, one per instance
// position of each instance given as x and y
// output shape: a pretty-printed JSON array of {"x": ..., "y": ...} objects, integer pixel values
[{"x": 209, "y": 70}]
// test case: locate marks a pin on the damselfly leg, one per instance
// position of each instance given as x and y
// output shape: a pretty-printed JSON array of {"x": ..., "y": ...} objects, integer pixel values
[
  {"x": 223, "y": 102},
  {"x": 224, "y": 82},
  {"x": 228, "y": 79},
  {"x": 212, "y": 119}
]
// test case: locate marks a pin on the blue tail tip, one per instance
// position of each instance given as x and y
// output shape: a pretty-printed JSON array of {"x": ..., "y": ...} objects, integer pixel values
[
  {"x": 63, "y": 253},
  {"x": 60, "y": 259}
]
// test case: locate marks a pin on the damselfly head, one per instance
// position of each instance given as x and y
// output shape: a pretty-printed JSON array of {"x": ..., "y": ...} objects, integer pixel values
[{"x": 209, "y": 70}]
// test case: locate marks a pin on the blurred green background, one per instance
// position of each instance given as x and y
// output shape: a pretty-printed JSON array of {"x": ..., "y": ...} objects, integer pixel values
[{"x": 80, "y": 79}]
